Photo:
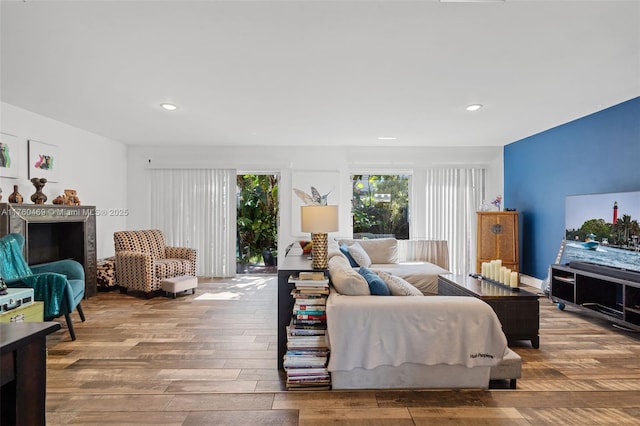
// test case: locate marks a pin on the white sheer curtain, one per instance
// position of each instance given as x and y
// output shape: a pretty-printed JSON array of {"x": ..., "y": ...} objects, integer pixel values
[
  {"x": 452, "y": 197},
  {"x": 197, "y": 208}
]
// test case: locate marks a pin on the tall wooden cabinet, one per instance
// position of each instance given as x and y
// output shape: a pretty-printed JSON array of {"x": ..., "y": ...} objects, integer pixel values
[{"x": 498, "y": 239}]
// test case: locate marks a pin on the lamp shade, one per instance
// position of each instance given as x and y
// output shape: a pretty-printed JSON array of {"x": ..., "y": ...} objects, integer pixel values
[{"x": 319, "y": 219}]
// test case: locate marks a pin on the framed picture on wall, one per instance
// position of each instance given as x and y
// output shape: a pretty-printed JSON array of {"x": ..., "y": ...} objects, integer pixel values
[
  {"x": 43, "y": 161},
  {"x": 310, "y": 187},
  {"x": 9, "y": 155}
]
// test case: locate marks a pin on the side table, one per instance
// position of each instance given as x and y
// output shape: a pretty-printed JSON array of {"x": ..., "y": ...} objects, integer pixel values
[{"x": 23, "y": 371}]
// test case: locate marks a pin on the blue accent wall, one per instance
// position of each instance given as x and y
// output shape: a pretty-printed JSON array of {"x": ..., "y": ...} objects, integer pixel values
[{"x": 594, "y": 154}]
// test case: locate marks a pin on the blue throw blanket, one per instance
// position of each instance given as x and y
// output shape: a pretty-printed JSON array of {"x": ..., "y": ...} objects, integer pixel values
[{"x": 48, "y": 287}]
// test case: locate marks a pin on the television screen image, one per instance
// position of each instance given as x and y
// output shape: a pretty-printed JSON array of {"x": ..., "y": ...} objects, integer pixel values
[{"x": 603, "y": 229}]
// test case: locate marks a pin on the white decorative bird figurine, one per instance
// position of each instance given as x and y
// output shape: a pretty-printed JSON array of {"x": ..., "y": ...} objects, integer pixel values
[{"x": 315, "y": 199}]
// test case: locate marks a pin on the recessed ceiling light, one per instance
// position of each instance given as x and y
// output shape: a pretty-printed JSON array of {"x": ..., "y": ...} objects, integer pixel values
[
  {"x": 387, "y": 138},
  {"x": 473, "y": 107},
  {"x": 169, "y": 107}
]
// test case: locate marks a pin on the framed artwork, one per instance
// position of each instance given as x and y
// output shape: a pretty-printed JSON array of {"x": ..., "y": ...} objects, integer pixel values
[
  {"x": 43, "y": 161},
  {"x": 9, "y": 157},
  {"x": 309, "y": 187}
]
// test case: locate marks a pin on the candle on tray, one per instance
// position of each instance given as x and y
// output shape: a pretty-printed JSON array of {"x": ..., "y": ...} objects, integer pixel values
[
  {"x": 514, "y": 279},
  {"x": 507, "y": 276}
]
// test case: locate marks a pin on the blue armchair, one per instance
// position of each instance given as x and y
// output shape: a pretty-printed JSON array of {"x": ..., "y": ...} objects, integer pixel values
[{"x": 60, "y": 284}]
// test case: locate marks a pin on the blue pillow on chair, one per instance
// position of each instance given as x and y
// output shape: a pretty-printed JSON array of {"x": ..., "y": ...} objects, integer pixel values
[
  {"x": 377, "y": 286},
  {"x": 345, "y": 250}
]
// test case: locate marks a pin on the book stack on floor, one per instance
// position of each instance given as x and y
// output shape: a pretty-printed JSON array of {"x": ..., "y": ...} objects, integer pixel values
[{"x": 307, "y": 353}]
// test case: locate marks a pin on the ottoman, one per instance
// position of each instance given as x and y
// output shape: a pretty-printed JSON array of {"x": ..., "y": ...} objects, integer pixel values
[
  {"x": 178, "y": 284},
  {"x": 106, "y": 273}
]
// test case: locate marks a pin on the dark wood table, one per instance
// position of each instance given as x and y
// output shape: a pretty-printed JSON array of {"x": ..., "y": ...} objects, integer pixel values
[
  {"x": 518, "y": 311},
  {"x": 23, "y": 371}
]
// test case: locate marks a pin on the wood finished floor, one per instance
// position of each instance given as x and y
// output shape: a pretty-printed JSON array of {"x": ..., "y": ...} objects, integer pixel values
[{"x": 210, "y": 359}]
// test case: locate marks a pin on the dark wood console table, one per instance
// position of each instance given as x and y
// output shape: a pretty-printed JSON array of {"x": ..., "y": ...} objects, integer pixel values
[
  {"x": 518, "y": 311},
  {"x": 23, "y": 371}
]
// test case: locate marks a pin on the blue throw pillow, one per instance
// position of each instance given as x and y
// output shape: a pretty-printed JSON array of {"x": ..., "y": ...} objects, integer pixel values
[
  {"x": 345, "y": 250},
  {"x": 377, "y": 286}
]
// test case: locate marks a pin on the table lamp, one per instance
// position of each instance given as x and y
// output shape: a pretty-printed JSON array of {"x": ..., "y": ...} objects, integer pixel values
[{"x": 318, "y": 220}]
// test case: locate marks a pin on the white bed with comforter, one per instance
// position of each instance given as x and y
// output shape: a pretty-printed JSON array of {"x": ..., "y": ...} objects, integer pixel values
[
  {"x": 417, "y": 261},
  {"x": 412, "y": 342}
]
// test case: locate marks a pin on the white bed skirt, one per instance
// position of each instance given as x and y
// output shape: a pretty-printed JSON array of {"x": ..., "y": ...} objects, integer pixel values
[{"x": 409, "y": 375}]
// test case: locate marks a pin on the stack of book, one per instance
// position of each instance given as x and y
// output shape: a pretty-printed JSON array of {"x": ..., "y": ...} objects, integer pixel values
[{"x": 307, "y": 353}]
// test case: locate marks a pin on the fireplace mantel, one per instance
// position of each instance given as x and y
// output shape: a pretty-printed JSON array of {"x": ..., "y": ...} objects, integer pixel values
[{"x": 55, "y": 232}]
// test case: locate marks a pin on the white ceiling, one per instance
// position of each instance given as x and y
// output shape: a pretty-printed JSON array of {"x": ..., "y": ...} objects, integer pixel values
[{"x": 318, "y": 72}]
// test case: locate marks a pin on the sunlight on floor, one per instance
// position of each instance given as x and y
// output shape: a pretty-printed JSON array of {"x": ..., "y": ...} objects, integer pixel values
[
  {"x": 225, "y": 295},
  {"x": 235, "y": 288}
]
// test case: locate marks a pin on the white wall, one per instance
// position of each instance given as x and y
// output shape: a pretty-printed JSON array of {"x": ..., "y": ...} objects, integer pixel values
[
  {"x": 289, "y": 160},
  {"x": 91, "y": 164},
  {"x": 112, "y": 176}
]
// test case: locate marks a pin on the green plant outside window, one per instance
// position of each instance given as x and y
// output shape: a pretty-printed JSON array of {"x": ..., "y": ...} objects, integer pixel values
[
  {"x": 380, "y": 205},
  {"x": 257, "y": 218}
]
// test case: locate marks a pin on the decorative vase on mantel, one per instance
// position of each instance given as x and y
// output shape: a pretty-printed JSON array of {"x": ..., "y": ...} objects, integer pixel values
[
  {"x": 38, "y": 197},
  {"x": 15, "y": 197}
]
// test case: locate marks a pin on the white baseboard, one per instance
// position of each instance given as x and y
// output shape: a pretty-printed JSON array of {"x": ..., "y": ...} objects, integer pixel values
[{"x": 531, "y": 281}]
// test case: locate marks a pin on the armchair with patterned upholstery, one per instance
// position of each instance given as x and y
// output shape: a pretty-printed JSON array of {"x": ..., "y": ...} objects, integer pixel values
[{"x": 143, "y": 260}]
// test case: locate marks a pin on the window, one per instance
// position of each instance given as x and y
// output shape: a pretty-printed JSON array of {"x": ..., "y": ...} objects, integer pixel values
[{"x": 380, "y": 206}]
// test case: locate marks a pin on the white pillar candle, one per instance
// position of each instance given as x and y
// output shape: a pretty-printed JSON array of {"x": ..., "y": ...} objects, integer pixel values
[
  {"x": 514, "y": 279},
  {"x": 503, "y": 271},
  {"x": 507, "y": 276}
]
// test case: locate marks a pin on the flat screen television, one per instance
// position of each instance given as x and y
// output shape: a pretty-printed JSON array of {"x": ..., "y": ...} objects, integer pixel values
[{"x": 603, "y": 232}]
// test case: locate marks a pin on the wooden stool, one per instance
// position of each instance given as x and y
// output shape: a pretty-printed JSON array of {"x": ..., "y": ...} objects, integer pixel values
[{"x": 177, "y": 284}]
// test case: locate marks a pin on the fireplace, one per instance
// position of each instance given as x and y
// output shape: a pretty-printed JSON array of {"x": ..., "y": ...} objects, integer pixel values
[{"x": 55, "y": 232}]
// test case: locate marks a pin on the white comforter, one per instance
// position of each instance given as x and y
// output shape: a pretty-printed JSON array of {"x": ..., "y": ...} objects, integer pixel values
[{"x": 370, "y": 331}]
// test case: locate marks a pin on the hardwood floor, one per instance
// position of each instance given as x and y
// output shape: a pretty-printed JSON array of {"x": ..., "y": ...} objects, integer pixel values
[{"x": 210, "y": 359}]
